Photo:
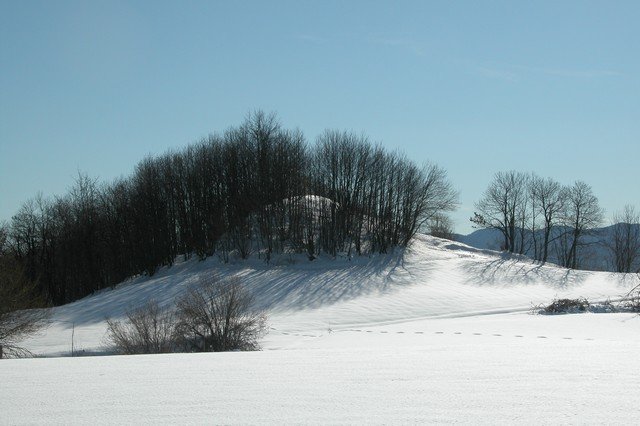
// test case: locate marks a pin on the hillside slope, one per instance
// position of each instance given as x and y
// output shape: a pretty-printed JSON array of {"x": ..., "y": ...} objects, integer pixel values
[
  {"x": 441, "y": 333},
  {"x": 432, "y": 279}
]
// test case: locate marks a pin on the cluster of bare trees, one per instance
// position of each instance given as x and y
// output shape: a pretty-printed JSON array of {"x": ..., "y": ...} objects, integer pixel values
[
  {"x": 256, "y": 188},
  {"x": 624, "y": 241},
  {"x": 378, "y": 200},
  {"x": 20, "y": 301},
  {"x": 542, "y": 218},
  {"x": 537, "y": 214}
]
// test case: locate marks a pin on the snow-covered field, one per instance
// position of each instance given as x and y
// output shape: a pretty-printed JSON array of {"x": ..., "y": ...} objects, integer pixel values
[{"x": 440, "y": 333}]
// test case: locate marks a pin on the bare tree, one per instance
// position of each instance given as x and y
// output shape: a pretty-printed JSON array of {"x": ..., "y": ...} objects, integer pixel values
[
  {"x": 219, "y": 316},
  {"x": 4, "y": 238},
  {"x": 20, "y": 309},
  {"x": 432, "y": 196},
  {"x": 624, "y": 244},
  {"x": 503, "y": 206},
  {"x": 440, "y": 226},
  {"x": 548, "y": 196},
  {"x": 148, "y": 329},
  {"x": 582, "y": 214}
]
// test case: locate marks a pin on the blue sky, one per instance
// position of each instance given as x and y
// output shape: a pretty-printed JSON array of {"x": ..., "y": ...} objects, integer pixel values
[{"x": 476, "y": 87}]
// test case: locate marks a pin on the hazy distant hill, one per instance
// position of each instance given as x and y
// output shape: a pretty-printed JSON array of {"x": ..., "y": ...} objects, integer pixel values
[{"x": 595, "y": 254}]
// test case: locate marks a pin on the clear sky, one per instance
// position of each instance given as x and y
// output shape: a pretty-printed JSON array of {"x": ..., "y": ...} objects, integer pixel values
[{"x": 474, "y": 86}]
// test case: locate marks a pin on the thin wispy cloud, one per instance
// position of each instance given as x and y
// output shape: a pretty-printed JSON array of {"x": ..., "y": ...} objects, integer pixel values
[
  {"x": 514, "y": 73},
  {"x": 573, "y": 73},
  {"x": 406, "y": 44},
  {"x": 400, "y": 43},
  {"x": 498, "y": 74}
]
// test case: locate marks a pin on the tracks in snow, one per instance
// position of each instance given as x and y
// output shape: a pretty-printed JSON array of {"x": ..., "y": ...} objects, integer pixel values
[
  {"x": 459, "y": 333},
  {"x": 427, "y": 333}
]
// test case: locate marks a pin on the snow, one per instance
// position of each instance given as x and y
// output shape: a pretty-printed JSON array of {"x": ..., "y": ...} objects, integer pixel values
[
  {"x": 594, "y": 252},
  {"x": 440, "y": 333}
]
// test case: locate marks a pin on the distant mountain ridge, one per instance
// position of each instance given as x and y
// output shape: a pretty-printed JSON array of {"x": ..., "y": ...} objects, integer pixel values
[{"x": 594, "y": 253}]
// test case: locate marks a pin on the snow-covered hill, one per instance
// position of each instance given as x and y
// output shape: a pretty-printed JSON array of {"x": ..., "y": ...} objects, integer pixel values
[
  {"x": 434, "y": 278},
  {"x": 441, "y": 332}
]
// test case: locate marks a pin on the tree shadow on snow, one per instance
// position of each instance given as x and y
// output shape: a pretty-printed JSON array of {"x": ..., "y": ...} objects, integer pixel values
[
  {"x": 297, "y": 288},
  {"x": 300, "y": 285},
  {"x": 506, "y": 271}
]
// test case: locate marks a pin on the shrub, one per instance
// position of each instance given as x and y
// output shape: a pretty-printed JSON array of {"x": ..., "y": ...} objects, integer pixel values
[
  {"x": 219, "y": 316},
  {"x": 19, "y": 313},
  {"x": 563, "y": 306},
  {"x": 632, "y": 302},
  {"x": 148, "y": 329},
  {"x": 213, "y": 316}
]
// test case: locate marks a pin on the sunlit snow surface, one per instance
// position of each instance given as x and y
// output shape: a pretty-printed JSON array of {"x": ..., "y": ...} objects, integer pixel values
[{"x": 440, "y": 333}]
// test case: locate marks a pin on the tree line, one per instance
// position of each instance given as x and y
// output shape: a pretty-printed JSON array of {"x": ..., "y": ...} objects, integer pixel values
[
  {"x": 544, "y": 219},
  {"x": 257, "y": 188}
]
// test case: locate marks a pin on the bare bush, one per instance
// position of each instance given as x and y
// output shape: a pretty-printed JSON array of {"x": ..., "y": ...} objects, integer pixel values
[
  {"x": 148, "y": 329},
  {"x": 19, "y": 313},
  {"x": 632, "y": 304},
  {"x": 632, "y": 300},
  {"x": 219, "y": 316},
  {"x": 564, "y": 306},
  {"x": 213, "y": 316}
]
